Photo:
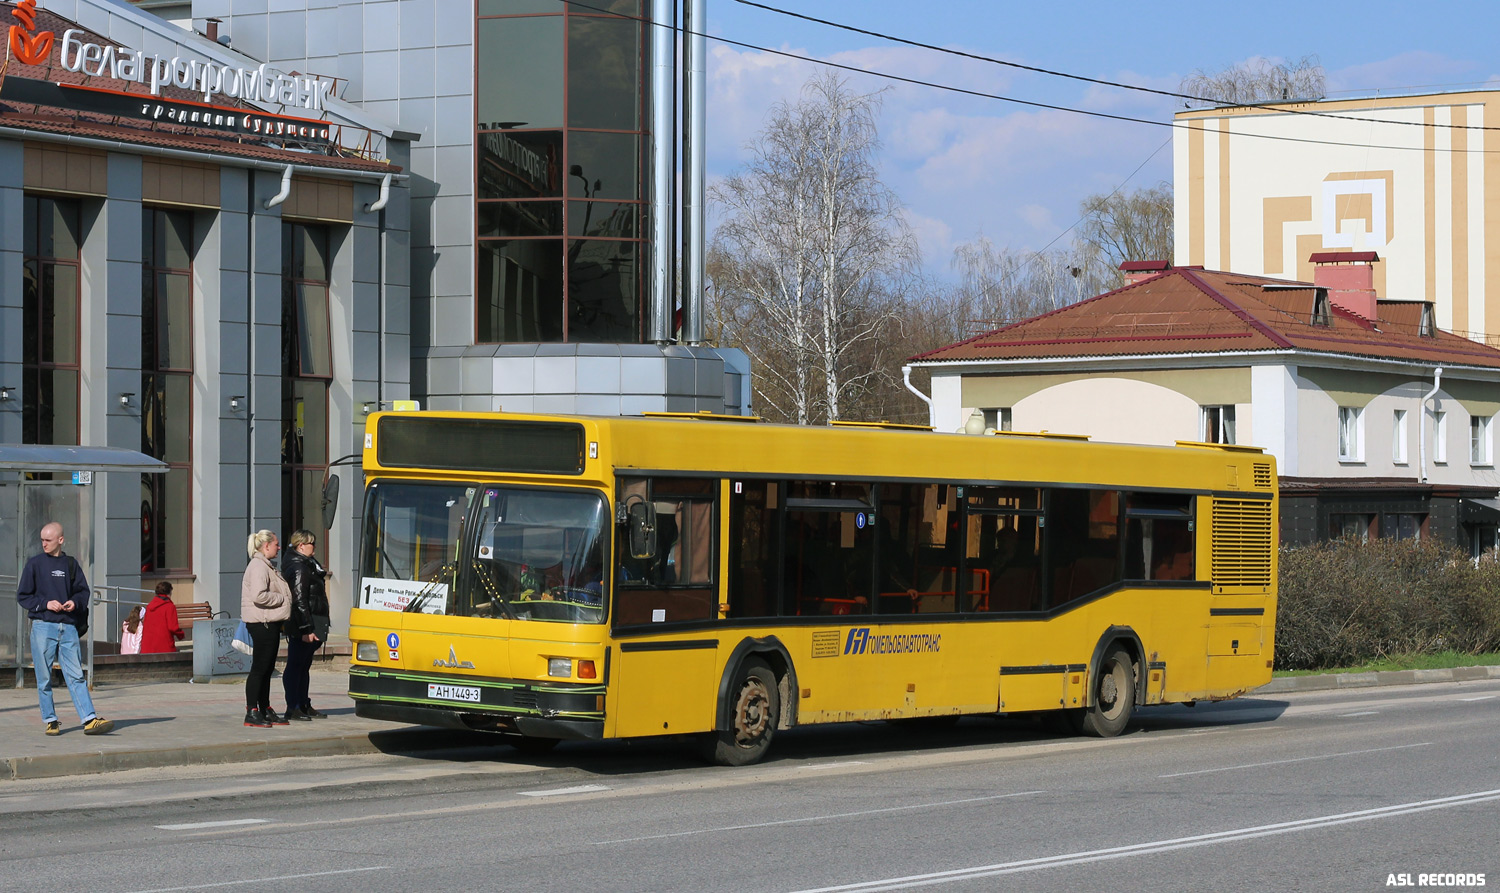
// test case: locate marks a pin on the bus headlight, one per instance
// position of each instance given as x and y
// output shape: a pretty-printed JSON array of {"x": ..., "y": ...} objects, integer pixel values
[
  {"x": 560, "y": 666},
  {"x": 366, "y": 651}
]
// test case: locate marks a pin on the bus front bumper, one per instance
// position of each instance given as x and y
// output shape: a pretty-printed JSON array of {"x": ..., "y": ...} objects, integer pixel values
[{"x": 507, "y": 706}]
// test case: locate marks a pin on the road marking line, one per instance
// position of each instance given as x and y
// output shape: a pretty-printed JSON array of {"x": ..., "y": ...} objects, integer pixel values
[
  {"x": 557, "y": 792},
  {"x": 1157, "y": 846},
  {"x": 263, "y": 880},
  {"x": 193, "y": 826},
  {"x": 1480, "y": 698},
  {"x": 820, "y": 818},
  {"x": 838, "y": 765},
  {"x": 1326, "y": 756},
  {"x": 1362, "y": 713}
]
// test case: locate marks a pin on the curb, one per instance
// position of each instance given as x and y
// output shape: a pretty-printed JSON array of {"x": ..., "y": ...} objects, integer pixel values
[
  {"x": 1334, "y": 681},
  {"x": 95, "y": 762}
]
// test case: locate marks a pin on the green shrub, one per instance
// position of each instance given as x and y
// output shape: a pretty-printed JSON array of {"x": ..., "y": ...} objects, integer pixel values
[{"x": 1345, "y": 603}]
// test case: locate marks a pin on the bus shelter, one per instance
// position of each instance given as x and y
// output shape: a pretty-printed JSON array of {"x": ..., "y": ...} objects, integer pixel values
[{"x": 41, "y": 483}]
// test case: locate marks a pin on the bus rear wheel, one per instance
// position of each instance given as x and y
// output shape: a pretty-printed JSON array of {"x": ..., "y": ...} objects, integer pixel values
[
  {"x": 753, "y": 712},
  {"x": 1114, "y": 696}
]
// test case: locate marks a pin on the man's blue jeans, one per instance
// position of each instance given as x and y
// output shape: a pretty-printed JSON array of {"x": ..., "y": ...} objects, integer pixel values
[{"x": 59, "y": 642}]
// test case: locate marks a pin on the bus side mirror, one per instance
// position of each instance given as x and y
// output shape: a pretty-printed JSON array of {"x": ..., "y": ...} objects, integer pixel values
[
  {"x": 330, "y": 500},
  {"x": 641, "y": 516}
]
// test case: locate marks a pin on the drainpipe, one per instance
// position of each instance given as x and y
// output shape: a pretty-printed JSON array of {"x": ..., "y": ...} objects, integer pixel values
[
  {"x": 1437, "y": 380},
  {"x": 377, "y": 205},
  {"x": 906, "y": 379},
  {"x": 286, "y": 189},
  {"x": 663, "y": 170}
]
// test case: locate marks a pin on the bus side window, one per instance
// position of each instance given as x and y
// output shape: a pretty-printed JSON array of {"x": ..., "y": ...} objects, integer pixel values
[
  {"x": 1159, "y": 537},
  {"x": 754, "y": 538},
  {"x": 678, "y": 581}
]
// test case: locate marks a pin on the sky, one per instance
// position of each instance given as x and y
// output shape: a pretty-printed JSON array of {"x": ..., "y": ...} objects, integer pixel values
[{"x": 966, "y": 166}]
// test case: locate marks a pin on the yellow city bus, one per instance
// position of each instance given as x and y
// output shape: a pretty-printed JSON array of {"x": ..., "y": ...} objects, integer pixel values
[{"x": 569, "y": 577}]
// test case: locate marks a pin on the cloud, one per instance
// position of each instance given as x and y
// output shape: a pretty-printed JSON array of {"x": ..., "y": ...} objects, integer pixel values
[{"x": 1401, "y": 72}]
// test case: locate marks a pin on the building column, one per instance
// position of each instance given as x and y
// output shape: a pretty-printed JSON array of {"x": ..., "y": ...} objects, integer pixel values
[{"x": 12, "y": 216}]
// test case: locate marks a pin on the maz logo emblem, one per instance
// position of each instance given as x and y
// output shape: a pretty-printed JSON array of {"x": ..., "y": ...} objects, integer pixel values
[
  {"x": 29, "y": 49},
  {"x": 452, "y": 662}
]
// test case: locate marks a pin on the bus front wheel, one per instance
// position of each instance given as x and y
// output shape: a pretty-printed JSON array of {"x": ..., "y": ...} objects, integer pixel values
[
  {"x": 753, "y": 713},
  {"x": 1114, "y": 696}
]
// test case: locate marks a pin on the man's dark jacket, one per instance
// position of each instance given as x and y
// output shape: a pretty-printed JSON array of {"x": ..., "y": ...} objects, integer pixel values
[{"x": 46, "y": 579}]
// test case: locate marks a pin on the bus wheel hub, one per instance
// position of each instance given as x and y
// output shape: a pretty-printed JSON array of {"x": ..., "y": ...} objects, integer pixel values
[{"x": 751, "y": 714}]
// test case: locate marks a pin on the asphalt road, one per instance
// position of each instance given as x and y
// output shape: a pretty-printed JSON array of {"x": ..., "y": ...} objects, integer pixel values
[{"x": 1318, "y": 791}]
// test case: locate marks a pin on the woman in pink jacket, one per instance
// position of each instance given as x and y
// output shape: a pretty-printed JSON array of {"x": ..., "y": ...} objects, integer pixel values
[{"x": 265, "y": 601}]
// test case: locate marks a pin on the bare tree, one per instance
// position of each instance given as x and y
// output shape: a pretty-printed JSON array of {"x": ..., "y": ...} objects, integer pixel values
[
  {"x": 812, "y": 256},
  {"x": 998, "y": 286},
  {"x": 1258, "y": 80},
  {"x": 1121, "y": 226}
]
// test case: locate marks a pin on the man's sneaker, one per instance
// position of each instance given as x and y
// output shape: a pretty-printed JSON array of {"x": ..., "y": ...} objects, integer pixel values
[
  {"x": 54, "y": 728},
  {"x": 312, "y": 712},
  {"x": 296, "y": 714},
  {"x": 271, "y": 717},
  {"x": 97, "y": 726},
  {"x": 254, "y": 720}
]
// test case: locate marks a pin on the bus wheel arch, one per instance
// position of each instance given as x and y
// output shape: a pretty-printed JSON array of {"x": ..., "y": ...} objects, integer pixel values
[
  {"x": 1116, "y": 684},
  {"x": 755, "y": 695}
]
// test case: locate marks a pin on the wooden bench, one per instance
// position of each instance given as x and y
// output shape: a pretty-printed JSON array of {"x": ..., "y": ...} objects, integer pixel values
[{"x": 187, "y": 614}]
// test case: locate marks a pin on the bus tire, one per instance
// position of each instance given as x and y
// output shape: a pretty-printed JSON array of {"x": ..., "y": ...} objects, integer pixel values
[
  {"x": 533, "y": 746},
  {"x": 1113, "y": 697},
  {"x": 753, "y": 713}
]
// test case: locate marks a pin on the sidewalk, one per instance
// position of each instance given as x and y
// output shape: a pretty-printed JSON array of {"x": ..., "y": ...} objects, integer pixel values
[{"x": 182, "y": 724}]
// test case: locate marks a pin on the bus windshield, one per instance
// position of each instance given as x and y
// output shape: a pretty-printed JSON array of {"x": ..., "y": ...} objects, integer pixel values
[{"x": 470, "y": 550}]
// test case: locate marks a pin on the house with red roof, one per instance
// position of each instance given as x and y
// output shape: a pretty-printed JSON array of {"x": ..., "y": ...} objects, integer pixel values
[{"x": 1382, "y": 424}]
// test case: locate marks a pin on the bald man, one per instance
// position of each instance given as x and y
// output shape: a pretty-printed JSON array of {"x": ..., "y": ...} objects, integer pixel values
[{"x": 53, "y": 590}]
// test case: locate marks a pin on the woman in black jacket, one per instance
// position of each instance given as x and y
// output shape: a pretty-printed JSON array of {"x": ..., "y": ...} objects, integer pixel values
[{"x": 307, "y": 628}]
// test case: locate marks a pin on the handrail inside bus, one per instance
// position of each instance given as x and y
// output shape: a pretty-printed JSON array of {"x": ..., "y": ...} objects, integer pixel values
[
  {"x": 702, "y": 415},
  {"x": 1226, "y": 447}
]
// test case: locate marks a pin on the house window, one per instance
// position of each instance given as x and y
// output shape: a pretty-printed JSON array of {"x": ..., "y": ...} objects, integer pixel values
[
  {"x": 49, "y": 319},
  {"x": 997, "y": 419},
  {"x": 167, "y": 389},
  {"x": 307, "y": 369},
  {"x": 1218, "y": 424},
  {"x": 1440, "y": 437},
  {"x": 1351, "y": 440},
  {"x": 1479, "y": 440},
  {"x": 1401, "y": 526},
  {"x": 1343, "y": 525},
  {"x": 1398, "y": 437}
]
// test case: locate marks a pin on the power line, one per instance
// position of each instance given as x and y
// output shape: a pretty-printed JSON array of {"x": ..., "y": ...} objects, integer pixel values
[
  {"x": 980, "y": 94},
  {"x": 1088, "y": 80}
]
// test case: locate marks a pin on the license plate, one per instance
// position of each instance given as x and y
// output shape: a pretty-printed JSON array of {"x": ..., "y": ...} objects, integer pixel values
[{"x": 452, "y": 692}]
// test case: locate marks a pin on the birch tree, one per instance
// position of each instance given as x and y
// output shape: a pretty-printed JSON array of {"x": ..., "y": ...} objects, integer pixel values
[{"x": 812, "y": 255}]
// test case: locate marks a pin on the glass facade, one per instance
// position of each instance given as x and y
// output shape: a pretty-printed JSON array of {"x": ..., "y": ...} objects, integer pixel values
[
  {"x": 167, "y": 389},
  {"x": 559, "y": 182},
  {"x": 51, "y": 238},
  {"x": 307, "y": 361}
]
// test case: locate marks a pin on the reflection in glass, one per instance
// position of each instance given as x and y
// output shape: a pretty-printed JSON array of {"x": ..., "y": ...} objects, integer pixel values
[
  {"x": 511, "y": 219},
  {"x": 59, "y": 314},
  {"x": 518, "y": 291},
  {"x": 519, "y": 163},
  {"x": 519, "y": 7},
  {"x": 518, "y": 79},
  {"x": 313, "y": 345},
  {"x": 611, "y": 220},
  {"x": 604, "y": 60},
  {"x": 608, "y": 164},
  {"x": 603, "y": 291}
]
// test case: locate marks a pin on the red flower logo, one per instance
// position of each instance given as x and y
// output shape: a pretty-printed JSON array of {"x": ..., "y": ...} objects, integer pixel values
[{"x": 28, "y": 48}]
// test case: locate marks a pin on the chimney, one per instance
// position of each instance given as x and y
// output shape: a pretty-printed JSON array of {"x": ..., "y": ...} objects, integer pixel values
[
  {"x": 1140, "y": 270},
  {"x": 1349, "y": 277}
]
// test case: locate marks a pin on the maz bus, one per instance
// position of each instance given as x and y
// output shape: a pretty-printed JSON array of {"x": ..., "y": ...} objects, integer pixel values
[{"x": 556, "y": 577}]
